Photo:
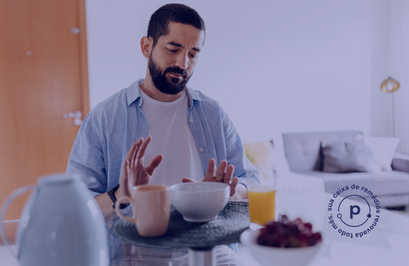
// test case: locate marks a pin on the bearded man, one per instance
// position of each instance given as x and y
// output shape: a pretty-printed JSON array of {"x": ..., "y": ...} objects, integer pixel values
[{"x": 190, "y": 137}]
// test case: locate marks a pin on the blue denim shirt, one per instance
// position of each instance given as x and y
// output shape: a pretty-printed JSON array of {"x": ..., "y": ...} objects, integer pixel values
[{"x": 111, "y": 128}]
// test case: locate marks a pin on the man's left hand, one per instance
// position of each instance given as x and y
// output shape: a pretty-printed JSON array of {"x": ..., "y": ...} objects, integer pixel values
[{"x": 223, "y": 174}]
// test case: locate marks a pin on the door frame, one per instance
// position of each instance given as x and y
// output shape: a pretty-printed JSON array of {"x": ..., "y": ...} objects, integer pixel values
[{"x": 85, "y": 102}]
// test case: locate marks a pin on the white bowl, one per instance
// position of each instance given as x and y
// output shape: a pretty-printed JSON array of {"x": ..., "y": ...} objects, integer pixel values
[
  {"x": 278, "y": 256},
  {"x": 199, "y": 201}
]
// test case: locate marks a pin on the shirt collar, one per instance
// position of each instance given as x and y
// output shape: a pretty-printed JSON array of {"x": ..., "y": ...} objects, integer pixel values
[{"x": 132, "y": 94}]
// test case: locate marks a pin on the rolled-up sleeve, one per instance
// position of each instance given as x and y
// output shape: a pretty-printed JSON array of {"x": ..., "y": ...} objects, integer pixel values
[
  {"x": 244, "y": 170},
  {"x": 87, "y": 156}
]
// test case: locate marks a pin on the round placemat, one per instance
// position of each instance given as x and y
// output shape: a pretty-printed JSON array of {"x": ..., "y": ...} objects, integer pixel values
[{"x": 225, "y": 229}]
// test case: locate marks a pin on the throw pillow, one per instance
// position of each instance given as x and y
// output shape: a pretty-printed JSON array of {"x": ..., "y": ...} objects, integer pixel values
[
  {"x": 347, "y": 157},
  {"x": 260, "y": 153},
  {"x": 383, "y": 149},
  {"x": 268, "y": 153}
]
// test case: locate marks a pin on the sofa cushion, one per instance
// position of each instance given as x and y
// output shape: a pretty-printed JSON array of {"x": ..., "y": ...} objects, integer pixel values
[
  {"x": 260, "y": 153},
  {"x": 383, "y": 149},
  {"x": 302, "y": 150},
  {"x": 269, "y": 153},
  {"x": 347, "y": 157},
  {"x": 385, "y": 183}
]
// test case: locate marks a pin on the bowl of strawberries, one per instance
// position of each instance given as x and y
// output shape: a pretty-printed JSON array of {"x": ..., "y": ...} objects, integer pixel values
[{"x": 283, "y": 242}]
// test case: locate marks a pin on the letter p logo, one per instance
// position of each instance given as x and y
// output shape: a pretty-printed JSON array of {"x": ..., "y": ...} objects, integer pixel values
[{"x": 352, "y": 213}]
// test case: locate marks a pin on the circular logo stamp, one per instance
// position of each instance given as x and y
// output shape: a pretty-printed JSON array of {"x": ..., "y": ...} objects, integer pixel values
[{"x": 354, "y": 211}]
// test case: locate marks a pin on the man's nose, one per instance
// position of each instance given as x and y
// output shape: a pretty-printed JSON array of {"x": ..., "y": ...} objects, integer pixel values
[{"x": 182, "y": 61}]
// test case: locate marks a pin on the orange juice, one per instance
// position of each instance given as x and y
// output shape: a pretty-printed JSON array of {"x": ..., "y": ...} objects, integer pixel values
[{"x": 261, "y": 204}]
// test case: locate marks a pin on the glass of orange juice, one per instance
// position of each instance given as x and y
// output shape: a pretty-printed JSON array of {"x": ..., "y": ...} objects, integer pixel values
[{"x": 261, "y": 194}]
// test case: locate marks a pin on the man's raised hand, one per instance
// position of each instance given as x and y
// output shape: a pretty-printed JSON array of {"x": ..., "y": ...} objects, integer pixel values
[
  {"x": 223, "y": 174},
  {"x": 133, "y": 171}
]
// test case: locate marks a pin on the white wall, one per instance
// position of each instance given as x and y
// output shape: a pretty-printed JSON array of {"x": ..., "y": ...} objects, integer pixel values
[
  {"x": 398, "y": 68},
  {"x": 380, "y": 32},
  {"x": 275, "y": 66}
]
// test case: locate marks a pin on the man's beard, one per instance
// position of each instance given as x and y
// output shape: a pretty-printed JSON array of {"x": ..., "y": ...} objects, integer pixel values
[{"x": 175, "y": 85}]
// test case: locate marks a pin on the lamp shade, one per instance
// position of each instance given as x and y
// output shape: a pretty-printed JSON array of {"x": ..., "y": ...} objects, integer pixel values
[{"x": 390, "y": 85}]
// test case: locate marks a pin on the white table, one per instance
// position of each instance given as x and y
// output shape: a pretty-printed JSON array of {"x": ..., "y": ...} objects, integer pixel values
[{"x": 387, "y": 245}]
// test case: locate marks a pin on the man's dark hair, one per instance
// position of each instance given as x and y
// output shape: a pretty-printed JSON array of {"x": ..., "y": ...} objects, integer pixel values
[{"x": 179, "y": 13}]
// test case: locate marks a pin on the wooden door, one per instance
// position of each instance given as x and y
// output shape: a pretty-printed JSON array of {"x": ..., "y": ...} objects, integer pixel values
[{"x": 43, "y": 75}]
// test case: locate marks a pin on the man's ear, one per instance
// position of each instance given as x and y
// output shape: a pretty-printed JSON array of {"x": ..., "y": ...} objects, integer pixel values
[{"x": 146, "y": 46}]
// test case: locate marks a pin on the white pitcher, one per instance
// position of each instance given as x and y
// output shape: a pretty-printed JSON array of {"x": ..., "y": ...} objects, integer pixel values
[{"x": 61, "y": 224}]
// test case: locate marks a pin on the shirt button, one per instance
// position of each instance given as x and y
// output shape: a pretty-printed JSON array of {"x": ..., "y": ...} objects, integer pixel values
[
  {"x": 201, "y": 149},
  {"x": 191, "y": 120}
]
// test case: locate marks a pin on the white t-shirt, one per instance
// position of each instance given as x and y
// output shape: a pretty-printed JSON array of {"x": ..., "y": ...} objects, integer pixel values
[{"x": 171, "y": 137}]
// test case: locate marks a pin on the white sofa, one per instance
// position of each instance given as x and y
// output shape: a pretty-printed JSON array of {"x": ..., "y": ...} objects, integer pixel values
[{"x": 303, "y": 154}]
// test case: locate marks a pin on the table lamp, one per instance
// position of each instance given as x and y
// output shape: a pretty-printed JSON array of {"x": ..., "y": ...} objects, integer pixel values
[{"x": 390, "y": 85}]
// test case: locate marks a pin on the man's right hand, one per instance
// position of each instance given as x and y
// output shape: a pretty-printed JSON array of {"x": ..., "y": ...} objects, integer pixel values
[{"x": 133, "y": 171}]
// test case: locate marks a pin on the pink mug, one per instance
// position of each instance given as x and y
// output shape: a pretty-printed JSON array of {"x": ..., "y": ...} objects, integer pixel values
[{"x": 151, "y": 209}]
